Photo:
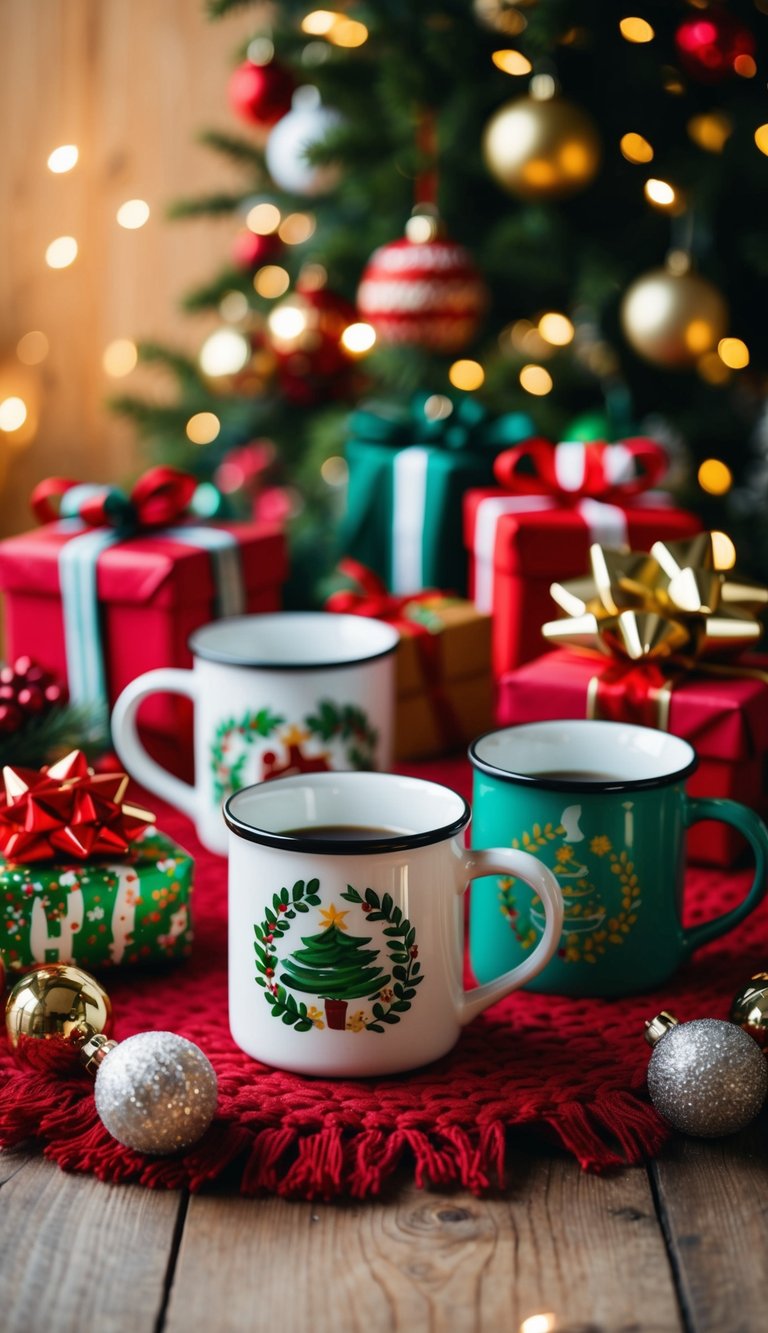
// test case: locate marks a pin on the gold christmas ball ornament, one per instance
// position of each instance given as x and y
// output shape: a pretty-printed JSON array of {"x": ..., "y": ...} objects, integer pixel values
[
  {"x": 673, "y": 319},
  {"x": 750, "y": 1009},
  {"x": 57, "y": 1002},
  {"x": 542, "y": 149}
]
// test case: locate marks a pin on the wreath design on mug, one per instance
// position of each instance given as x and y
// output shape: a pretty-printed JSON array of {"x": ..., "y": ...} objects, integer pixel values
[
  {"x": 589, "y": 930},
  {"x": 233, "y": 738},
  {"x": 335, "y": 966}
]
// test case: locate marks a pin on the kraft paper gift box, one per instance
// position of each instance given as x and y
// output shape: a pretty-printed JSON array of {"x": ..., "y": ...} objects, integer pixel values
[{"x": 444, "y": 684}]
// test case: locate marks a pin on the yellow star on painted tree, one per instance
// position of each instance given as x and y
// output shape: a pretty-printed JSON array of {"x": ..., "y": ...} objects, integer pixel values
[
  {"x": 294, "y": 735},
  {"x": 330, "y": 916}
]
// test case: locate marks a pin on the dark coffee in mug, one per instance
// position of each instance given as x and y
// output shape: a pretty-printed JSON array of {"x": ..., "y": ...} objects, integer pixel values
[
  {"x": 575, "y": 775},
  {"x": 343, "y": 832}
]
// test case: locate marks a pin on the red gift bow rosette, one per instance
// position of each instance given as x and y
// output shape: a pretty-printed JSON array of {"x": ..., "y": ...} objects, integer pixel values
[
  {"x": 541, "y": 478},
  {"x": 66, "y": 810},
  {"x": 160, "y": 497},
  {"x": 374, "y": 600}
]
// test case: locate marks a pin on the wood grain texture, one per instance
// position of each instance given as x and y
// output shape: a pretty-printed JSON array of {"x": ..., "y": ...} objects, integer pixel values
[
  {"x": 77, "y": 1255},
  {"x": 714, "y": 1200},
  {"x": 132, "y": 85},
  {"x": 587, "y": 1249}
]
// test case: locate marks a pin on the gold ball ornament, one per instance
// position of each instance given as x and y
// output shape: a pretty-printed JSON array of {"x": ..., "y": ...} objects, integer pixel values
[
  {"x": 750, "y": 1009},
  {"x": 673, "y": 319},
  {"x": 57, "y": 1002},
  {"x": 542, "y": 149}
]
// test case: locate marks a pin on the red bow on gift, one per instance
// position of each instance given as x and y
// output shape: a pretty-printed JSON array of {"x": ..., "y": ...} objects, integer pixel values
[
  {"x": 160, "y": 497},
  {"x": 608, "y": 472},
  {"x": 66, "y": 810},
  {"x": 374, "y": 600}
]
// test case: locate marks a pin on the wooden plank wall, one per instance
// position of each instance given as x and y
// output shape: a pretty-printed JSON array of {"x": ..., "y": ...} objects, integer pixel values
[{"x": 131, "y": 82}]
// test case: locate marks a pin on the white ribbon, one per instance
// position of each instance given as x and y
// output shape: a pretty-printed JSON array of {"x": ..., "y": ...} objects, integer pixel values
[{"x": 409, "y": 503}]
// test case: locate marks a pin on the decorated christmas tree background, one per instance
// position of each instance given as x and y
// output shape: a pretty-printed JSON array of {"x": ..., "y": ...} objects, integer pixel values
[{"x": 586, "y": 249}]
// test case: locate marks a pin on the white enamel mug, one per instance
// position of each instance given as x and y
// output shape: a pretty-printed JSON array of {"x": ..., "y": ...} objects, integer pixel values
[
  {"x": 288, "y": 692},
  {"x": 346, "y": 924}
]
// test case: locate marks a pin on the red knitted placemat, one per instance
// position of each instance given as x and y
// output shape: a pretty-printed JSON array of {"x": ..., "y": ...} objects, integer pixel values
[{"x": 572, "y": 1068}]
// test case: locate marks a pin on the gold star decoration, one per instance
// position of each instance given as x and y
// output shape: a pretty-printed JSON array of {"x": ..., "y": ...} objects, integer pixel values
[{"x": 331, "y": 916}]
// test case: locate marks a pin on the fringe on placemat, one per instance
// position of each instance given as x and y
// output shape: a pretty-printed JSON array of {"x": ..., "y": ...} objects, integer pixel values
[{"x": 325, "y": 1162}]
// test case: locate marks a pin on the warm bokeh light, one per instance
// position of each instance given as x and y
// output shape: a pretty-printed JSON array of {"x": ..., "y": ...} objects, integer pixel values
[
  {"x": 296, "y": 228},
  {"x": 636, "y": 30},
  {"x": 422, "y": 228},
  {"x": 263, "y": 219},
  {"x": 334, "y": 471},
  {"x": 271, "y": 281},
  {"x": 723, "y": 550},
  {"x": 63, "y": 159},
  {"x": 319, "y": 22},
  {"x": 761, "y": 138},
  {"x": 287, "y": 323},
  {"x": 120, "y": 358},
  {"x": 542, "y": 87},
  {"x": 635, "y": 148},
  {"x": 224, "y": 353},
  {"x": 438, "y": 407},
  {"x": 712, "y": 370},
  {"x": 733, "y": 352},
  {"x": 348, "y": 33},
  {"x": 715, "y": 477},
  {"x": 234, "y": 307},
  {"x": 659, "y": 192},
  {"x": 539, "y": 1323},
  {"x": 203, "y": 427},
  {"x": 710, "y": 131},
  {"x": 133, "y": 214},
  {"x": 511, "y": 62},
  {"x": 467, "y": 375},
  {"x": 13, "y": 413},
  {"x": 32, "y": 348},
  {"x": 62, "y": 252},
  {"x": 556, "y": 329},
  {"x": 357, "y": 339},
  {"x": 536, "y": 380},
  {"x": 745, "y": 66},
  {"x": 261, "y": 50}
]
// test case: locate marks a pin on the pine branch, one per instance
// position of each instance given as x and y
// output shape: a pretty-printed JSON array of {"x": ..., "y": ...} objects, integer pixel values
[
  {"x": 211, "y": 206},
  {"x": 44, "y": 739},
  {"x": 240, "y": 150}
]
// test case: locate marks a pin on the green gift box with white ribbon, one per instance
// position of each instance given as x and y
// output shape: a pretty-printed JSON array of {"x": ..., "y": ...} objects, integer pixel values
[
  {"x": 99, "y": 913},
  {"x": 408, "y": 471}
]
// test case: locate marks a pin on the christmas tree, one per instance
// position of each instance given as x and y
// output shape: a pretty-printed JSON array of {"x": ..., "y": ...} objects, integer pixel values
[
  {"x": 334, "y": 966},
  {"x": 586, "y": 251}
]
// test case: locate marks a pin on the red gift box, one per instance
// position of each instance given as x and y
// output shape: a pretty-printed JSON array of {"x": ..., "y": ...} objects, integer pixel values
[
  {"x": 520, "y": 544},
  {"x": 725, "y": 719},
  {"x": 153, "y": 591}
]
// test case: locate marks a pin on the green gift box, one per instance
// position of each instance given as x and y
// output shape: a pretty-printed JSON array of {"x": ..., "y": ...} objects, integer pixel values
[
  {"x": 98, "y": 914},
  {"x": 408, "y": 471}
]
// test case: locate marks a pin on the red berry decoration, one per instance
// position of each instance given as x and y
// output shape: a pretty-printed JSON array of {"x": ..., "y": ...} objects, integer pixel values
[
  {"x": 27, "y": 690},
  {"x": 426, "y": 293},
  {"x": 710, "y": 44},
  {"x": 261, "y": 94},
  {"x": 250, "y": 251}
]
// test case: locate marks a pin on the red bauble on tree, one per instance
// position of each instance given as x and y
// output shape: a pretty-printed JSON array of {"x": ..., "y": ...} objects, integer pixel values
[
  {"x": 261, "y": 94},
  {"x": 305, "y": 332},
  {"x": 423, "y": 290},
  {"x": 26, "y": 691},
  {"x": 250, "y": 251},
  {"x": 710, "y": 45}
]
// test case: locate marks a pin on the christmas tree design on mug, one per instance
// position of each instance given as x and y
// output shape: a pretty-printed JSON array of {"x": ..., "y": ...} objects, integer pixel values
[{"x": 334, "y": 966}]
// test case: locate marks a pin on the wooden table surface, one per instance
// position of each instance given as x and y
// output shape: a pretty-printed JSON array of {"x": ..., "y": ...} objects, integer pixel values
[{"x": 679, "y": 1246}]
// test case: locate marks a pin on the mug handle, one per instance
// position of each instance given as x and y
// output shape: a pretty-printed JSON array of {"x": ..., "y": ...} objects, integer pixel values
[
  {"x": 129, "y": 748},
  {"x": 756, "y": 834},
  {"x": 519, "y": 865}
]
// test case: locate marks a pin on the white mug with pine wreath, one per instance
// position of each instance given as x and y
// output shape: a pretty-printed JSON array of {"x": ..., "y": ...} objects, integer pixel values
[
  {"x": 346, "y": 934},
  {"x": 274, "y": 695}
]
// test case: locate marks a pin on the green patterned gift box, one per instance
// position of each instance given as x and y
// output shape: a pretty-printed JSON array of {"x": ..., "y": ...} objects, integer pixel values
[{"x": 99, "y": 913}]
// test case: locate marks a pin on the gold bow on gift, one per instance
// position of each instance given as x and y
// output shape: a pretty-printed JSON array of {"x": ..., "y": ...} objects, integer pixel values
[{"x": 670, "y": 605}]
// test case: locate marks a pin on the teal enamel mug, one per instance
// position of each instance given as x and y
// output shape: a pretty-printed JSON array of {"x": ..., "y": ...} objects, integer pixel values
[{"x": 604, "y": 806}]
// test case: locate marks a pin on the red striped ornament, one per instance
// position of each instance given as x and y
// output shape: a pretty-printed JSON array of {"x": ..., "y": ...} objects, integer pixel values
[{"x": 428, "y": 294}]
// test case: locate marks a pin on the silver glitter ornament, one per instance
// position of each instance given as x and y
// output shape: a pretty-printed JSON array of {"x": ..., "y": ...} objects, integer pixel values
[
  {"x": 156, "y": 1092},
  {"x": 706, "y": 1077}
]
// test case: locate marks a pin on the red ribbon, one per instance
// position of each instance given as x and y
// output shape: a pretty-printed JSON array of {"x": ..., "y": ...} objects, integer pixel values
[
  {"x": 375, "y": 601},
  {"x": 541, "y": 476},
  {"x": 66, "y": 810},
  {"x": 629, "y": 693},
  {"x": 160, "y": 497}
]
